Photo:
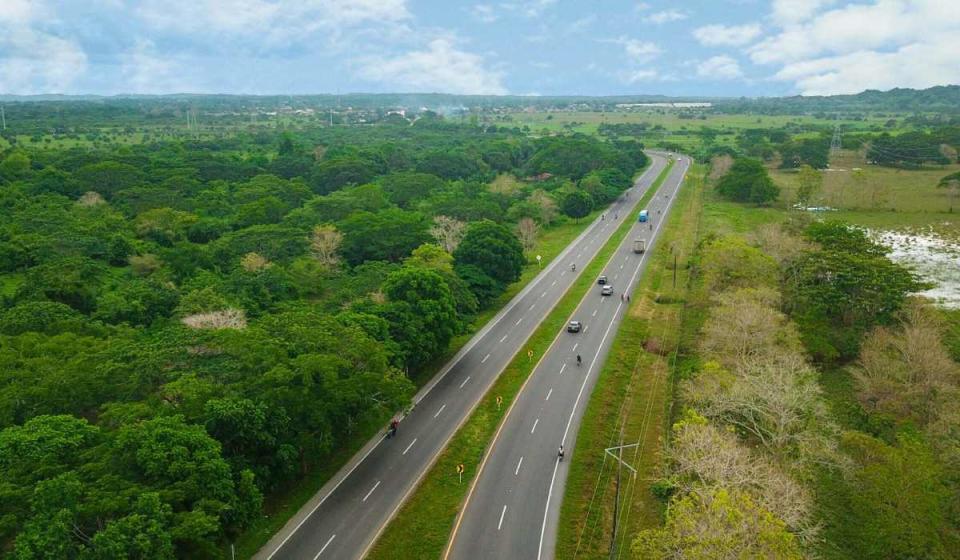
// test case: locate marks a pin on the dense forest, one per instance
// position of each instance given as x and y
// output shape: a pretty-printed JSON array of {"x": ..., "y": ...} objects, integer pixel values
[{"x": 190, "y": 325}]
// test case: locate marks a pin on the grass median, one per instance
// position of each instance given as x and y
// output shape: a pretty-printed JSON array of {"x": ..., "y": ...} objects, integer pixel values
[
  {"x": 423, "y": 524},
  {"x": 281, "y": 506},
  {"x": 630, "y": 403}
]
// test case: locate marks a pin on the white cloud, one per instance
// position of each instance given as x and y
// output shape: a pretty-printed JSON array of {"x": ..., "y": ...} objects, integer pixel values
[
  {"x": 484, "y": 13},
  {"x": 666, "y": 16},
  {"x": 643, "y": 75},
  {"x": 32, "y": 60},
  {"x": 727, "y": 35},
  {"x": 146, "y": 71},
  {"x": 884, "y": 44},
  {"x": 271, "y": 22},
  {"x": 641, "y": 6},
  {"x": 637, "y": 50},
  {"x": 719, "y": 68},
  {"x": 795, "y": 11},
  {"x": 528, "y": 8},
  {"x": 440, "y": 68}
]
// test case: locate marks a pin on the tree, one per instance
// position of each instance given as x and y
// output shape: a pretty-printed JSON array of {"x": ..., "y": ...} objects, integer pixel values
[
  {"x": 387, "y": 235},
  {"x": 14, "y": 166},
  {"x": 729, "y": 262},
  {"x": 492, "y": 248},
  {"x": 748, "y": 181},
  {"x": 422, "y": 313},
  {"x": 448, "y": 232},
  {"x": 527, "y": 230},
  {"x": 577, "y": 204},
  {"x": 144, "y": 534},
  {"x": 810, "y": 181},
  {"x": 717, "y": 525},
  {"x": 406, "y": 188},
  {"x": 952, "y": 184},
  {"x": 337, "y": 172},
  {"x": 109, "y": 177},
  {"x": 324, "y": 243}
]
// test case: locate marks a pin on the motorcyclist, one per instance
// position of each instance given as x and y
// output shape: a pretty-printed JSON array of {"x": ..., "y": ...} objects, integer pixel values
[
  {"x": 579, "y": 360},
  {"x": 393, "y": 427},
  {"x": 560, "y": 452},
  {"x": 573, "y": 267}
]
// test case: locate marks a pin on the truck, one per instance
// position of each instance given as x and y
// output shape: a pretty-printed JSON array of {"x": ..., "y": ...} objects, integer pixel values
[
  {"x": 643, "y": 216},
  {"x": 639, "y": 245}
]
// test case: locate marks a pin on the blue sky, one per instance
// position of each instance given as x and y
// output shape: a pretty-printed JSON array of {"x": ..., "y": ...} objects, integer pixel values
[{"x": 527, "y": 47}]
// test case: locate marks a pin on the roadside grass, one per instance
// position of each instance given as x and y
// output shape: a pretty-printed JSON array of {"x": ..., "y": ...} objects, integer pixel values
[
  {"x": 280, "y": 506},
  {"x": 422, "y": 526},
  {"x": 952, "y": 331},
  {"x": 631, "y": 402}
]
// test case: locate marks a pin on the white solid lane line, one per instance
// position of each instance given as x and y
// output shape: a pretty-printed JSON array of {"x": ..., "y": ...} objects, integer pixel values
[
  {"x": 325, "y": 546},
  {"x": 485, "y": 358},
  {"x": 535, "y": 422},
  {"x": 520, "y": 462},
  {"x": 548, "y": 395},
  {"x": 465, "y": 382},
  {"x": 439, "y": 411},
  {"x": 409, "y": 446},
  {"x": 371, "y": 490},
  {"x": 500, "y": 524}
]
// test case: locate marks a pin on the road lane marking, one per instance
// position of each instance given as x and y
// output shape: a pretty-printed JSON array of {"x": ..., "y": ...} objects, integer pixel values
[
  {"x": 532, "y": 306},
  {"x": 554, "y": 283},
  {"x": 484, "y": 358},
  {"x": 548, "y": 395},
  {"x": 371, "y": 490},
  {"x": 535, "y": 422},
  {"x": 562, "y": 273},
  {"x": 520, "y": 462},
  {"x": 621, "y": 267},
  {"x": 439, "y": 411},
  {"x": 585, "y": 328},
  {"x": 324, "y": 547},
  {"x": 594, "y": 314},
  {"x": 504, "y": 338},
  {"x": 502, "y": 513},
  {"x": 518, "y": 321},
  {"x": 543, "y": 294},
  {"x": 409, "y": 446},
  {"x": 465, "y": 382},
  {"x": 563, "y": 367},
  {"x": 575, "y": 347},
  {"x": 615, "y": 276}
]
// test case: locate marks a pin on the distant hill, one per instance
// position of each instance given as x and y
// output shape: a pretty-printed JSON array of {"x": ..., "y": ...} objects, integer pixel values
[{"x": 934, "y": 99}]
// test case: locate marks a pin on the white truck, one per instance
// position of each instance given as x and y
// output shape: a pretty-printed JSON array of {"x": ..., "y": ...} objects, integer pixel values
[{"x": 639, "y": 245}]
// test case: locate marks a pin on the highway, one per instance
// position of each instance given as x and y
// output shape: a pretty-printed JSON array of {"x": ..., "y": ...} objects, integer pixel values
[
  {"x": 513, "y": 508},
  {"x": 345, "y": 517}
]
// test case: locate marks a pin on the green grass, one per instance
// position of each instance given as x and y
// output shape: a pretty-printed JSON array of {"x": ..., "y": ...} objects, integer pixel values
[
  {"x": 282, "y": 505},
  {"x": 632, "y": 392},
  {"x": 432, "y": 508},
  {"x": 952, "y": 335}
]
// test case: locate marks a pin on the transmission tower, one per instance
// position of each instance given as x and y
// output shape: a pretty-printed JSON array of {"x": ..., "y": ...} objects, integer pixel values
[
  {"x": 835, "y": 143},
  {"x": 3, "y": 117}
]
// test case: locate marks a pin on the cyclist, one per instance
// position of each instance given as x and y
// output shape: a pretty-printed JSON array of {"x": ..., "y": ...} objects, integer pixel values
[{"x": 579, "y": 360}]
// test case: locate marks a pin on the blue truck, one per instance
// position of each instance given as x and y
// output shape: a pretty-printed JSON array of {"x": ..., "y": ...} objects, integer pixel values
[{"x": 643, "y": 215}]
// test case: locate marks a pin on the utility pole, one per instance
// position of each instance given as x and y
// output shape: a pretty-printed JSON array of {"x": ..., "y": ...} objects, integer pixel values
[
  {"x": 616, "y": 504},
  {"x": 3, "y": 117},
  {"x": 835, "y": 143}
]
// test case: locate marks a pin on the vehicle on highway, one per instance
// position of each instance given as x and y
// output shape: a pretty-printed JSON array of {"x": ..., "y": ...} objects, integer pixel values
[
  {"x": 602, "y": 280},
  {"x": 574, "y": 326},
  {"x": 643, "y": 216},
  {"x": 607, "y": 290},
  {"x": 639, "y": 245}
]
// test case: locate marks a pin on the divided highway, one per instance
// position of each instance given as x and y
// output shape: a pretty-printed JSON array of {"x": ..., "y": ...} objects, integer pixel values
[
  {"x": 513, "y": 508},
  {"x": 346, "y": 515}
]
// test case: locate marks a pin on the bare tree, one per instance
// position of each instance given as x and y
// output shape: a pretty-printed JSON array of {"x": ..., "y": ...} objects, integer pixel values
[
  {"x": 746, "y": 326},
  {"x": 324, "y": 243},
  {"x": 505, "y": 184},
  {"x": 230, "y": 318},
  {"x": 448, "y": 232},
  {"x": 527, "y": 230},
  {"x": 719, "y": 165},
  {"x": 91, "y": 198},
  {"x": 907, "y": 372},
  {"x": 254, "y": 262},
  {"x": 547, "y": 205},
  {"x": 778, "y": 243}
]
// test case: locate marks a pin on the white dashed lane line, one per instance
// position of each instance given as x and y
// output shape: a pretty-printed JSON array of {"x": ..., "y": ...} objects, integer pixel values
[
  {"x": 485, "y": 358},
  {"x": 575, "y": 347},
  {"x": 409, "y": 446},
  {"x": 464, "y": 382},
  {"x": 502, "y": 513},
  {"x": 330, "y": 540},
  {"x": 371, "y": 490},
  {"x": 439, "y": 411},
  {"x": 517, "y": 470},
  {"x": 548, "y": 395},
  {"x": 594, "y": 314},
  {"x": 504, "y": 338},
  {"x": 535, "y": 422},
  {"x": 563, "y": 367},
  {"x": 518, "y": 321}
]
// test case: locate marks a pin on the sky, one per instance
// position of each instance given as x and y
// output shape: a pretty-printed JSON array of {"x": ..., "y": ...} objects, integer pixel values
[{"x": 519, "y": 47}]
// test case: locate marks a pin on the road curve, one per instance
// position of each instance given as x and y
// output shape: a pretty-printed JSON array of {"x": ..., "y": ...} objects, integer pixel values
[
  {"x": 513, "y": 508},
  {"x": 345, "y": 517}
]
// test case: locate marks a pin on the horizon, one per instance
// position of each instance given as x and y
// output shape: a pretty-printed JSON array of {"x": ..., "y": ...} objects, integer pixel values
[{"x": 536, "y": 48}]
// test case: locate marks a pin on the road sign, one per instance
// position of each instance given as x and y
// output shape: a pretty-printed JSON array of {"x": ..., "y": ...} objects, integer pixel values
[
  {"x": 529, "y": 354},
  {"x": 460, "y": 469},
  {"x": 538, "y": 260},
  {"x": 499, "y": 401}
]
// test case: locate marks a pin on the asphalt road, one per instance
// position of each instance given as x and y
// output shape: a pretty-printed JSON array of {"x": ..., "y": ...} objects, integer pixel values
[
  {"x": 514, "y": 507},
  {"x": 345, "y": 517}
]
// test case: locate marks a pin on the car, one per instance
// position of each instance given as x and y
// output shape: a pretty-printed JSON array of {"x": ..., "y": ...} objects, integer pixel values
[
  {"x": 607, "y": 290},
  {"x": 574, "y": 326},
  {"x": 602, "y": 280}
]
